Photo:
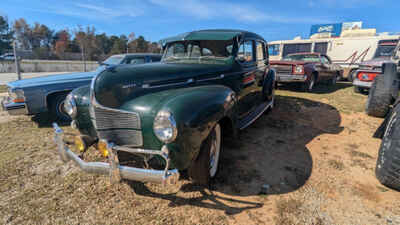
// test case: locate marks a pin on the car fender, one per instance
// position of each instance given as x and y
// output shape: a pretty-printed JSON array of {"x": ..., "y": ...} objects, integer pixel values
[
  {"x": 196, "y": 111},
  {"x": 83, "y": 119}
]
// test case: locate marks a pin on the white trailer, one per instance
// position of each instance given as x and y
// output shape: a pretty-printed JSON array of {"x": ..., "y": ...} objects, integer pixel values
[{"x": 347, "y": 51}]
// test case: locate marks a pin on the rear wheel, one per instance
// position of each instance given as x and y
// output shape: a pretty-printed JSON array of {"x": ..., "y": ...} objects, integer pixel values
[
  {"x": 56, "y": 104},
  {"x": 205, "y": 167},
  {"x": 379, "y": 98},
  {"x": 387, "y": 169}
]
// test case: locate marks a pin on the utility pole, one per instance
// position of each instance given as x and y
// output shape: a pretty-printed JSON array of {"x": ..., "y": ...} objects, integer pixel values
[
  {"x": 83, "y": 58},
  {"x": 17, "y": 69}
]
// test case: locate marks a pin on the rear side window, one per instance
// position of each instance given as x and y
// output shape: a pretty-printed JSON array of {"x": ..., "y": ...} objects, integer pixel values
[
  {"x": 321, "y": 47},
  {"x": 274, "y": 49},
  {"x": 246, "y": 51}
]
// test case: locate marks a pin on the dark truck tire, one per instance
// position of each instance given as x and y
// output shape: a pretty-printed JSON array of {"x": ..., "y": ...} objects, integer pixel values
[
  {"x": 201, "y": 170},
  {"x": 387, "y": 169},
  {"x": 382, "y": 92}
]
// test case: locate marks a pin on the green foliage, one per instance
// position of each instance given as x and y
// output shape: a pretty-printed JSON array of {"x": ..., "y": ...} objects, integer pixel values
[
  {"x": 45, "y": 43},
  {"x": 6, "y": 35}
]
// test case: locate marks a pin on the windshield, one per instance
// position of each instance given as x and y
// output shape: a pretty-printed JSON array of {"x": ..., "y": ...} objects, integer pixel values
[
  {"x": 384, "y": 51},
  {"x": 307, "y": 58},
  {"x": 199, "y": 52},
  {"x": 113, "y": 60}
]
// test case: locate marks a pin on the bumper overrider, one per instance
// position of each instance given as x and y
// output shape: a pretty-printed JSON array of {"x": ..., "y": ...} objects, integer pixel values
[
  {"x": 113, "y": 169},
  {"x": 363, "y": 84},
  {"x": 14, "y": 108},
  {"x": 290, "y": 78}
]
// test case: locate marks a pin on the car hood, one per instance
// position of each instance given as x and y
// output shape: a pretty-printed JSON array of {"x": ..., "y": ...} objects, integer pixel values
[
  {"x": 376, "y": 62},
  {"x": 288, "y": 62},
  {"x": 116, "y": 85},
  {"x": 51, "y": 79}
]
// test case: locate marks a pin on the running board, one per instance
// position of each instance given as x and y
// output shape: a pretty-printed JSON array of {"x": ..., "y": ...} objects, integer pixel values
[{"x": 248, "y": 120}]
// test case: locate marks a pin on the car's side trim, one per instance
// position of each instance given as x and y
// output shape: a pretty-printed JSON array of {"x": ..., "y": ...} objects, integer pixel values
[{"x": 257, "y": 113}]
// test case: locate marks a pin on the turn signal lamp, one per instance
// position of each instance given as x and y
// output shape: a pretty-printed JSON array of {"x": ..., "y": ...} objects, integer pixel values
[
  {"x": 367, "y": 76},
  {"x": 80, "y": 144},
  {"x": 102, "y": 147}
]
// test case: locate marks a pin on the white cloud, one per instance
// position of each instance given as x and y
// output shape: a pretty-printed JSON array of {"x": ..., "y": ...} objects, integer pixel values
[
  {"x": 95, "y": 11},
  {"x": 239, "y": 12},
  {"x": 341, "y": 3}
]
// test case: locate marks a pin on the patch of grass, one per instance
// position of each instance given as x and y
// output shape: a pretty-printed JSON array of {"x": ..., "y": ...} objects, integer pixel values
[
  {"x": 360, "y": 163},
  {"x": 335, "y": 164},
  {"x": 288, "y": 210},
  {"x": 341, "y": 96},
  {"x": 3, "y": 88},
  {"x": 360, "y": 154}
]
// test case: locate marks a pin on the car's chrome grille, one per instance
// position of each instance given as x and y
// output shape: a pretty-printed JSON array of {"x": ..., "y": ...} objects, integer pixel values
[
  {"x": 122, "y": 137},
  {"x": 119, "y": 127},
  {"x": 111, "y": 119},
  {"x": 284, "y": 69}
]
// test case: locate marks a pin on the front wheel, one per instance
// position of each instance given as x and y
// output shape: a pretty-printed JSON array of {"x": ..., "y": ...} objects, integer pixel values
[
  {"x": 57, "y": 108},
  {"x": 205, "y": 167},
  {"x": 308, "y": 86},
  {"x": 379, "y": 98}
]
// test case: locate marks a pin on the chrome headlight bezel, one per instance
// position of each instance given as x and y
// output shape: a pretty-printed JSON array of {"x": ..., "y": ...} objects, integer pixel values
[
  {"x": 164, "y": 126},
  {"x": 16, "y": 93},
  {"x": 70, "y": 106}
]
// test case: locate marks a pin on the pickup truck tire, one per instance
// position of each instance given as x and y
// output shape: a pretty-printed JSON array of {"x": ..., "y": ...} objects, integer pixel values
[
  {"x": 56, "y": 106},
  {"x": 205, "y": 167},
  {"x": 358, "y": 90},
  {"x": 387, "y": 169},
  {"x": 379, "y": 98},
  {"x": 350, "y": 76}
]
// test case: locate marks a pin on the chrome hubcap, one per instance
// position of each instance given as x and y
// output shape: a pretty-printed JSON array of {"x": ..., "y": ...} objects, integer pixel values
[{"x": 215, "y": 150}]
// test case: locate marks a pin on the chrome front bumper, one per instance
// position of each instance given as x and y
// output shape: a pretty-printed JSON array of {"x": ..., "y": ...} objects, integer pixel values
[
  {"x": 290, "y": 78},
  {"x": 14, "y": 108},
  {"x": 113, "y": 169},
  {"x": 363, "y": 84}
]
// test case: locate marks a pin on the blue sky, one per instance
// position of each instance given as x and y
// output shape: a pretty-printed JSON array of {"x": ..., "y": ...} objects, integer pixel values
[{"x": 156, "y": 19}]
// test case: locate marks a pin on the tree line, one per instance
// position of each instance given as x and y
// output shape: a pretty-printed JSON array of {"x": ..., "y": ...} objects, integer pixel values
[{"x": 80, "y": 43}]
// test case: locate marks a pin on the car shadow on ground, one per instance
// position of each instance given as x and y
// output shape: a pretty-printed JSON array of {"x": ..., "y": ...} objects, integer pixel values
[
  {"x": 269, "y": 157},
  {"x": 320, "y": 88},
  {"x": 45, "y": 120}
]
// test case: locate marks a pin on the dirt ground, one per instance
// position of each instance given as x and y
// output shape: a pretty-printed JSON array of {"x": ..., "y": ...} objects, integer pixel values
[{"x": 313, "y": 153}]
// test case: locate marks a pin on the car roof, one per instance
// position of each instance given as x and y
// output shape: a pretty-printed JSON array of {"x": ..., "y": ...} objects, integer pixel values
[
  {"x": 216, "y": 34},
  {"x": 138, "y": 54}
]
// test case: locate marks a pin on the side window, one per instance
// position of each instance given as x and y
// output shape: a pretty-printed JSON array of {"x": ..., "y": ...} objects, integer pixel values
[
  {"x": 246, "y": 51},
  {"x": 260, "y": 51},
  {"x": 136, "y": 60},
  {"x": 274, "y": 49},
  {"x": 155, "y": 59}
]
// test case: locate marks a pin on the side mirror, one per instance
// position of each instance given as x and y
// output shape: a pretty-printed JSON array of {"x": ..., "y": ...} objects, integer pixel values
[{"x": 396, "y": 57}]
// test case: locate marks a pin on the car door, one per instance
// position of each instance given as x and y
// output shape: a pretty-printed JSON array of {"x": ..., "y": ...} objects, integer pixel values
[
  {"x": 324, "y": 68},
  {"x": 249, "y": 90},
  {"x": 330, "y": 68}
]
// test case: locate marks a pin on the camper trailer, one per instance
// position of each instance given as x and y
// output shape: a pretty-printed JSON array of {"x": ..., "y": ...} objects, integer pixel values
[{"x": 348, "y": 50}]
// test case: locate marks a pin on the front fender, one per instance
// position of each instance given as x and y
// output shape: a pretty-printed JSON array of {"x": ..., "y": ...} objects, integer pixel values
[
  {"x": 196, "y": 111},
  {"x": 82, "y": 98}
]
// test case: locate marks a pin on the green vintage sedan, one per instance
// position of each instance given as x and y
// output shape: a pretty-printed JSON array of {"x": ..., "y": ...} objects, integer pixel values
[{"x": 172, "y": 116}]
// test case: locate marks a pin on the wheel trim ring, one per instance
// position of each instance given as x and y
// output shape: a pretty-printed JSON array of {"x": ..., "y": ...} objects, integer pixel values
[
  {"x": 310, "y": 87},
  {"x": 215, "y": 151},
  {"x": 61, "y": 108}
]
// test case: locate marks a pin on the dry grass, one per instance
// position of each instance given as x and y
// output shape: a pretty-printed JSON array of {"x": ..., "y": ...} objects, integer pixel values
[
  {"x": 335, "y": 164},
  {"x": 340, "y": 96},
  {"x": 37, "y": 188}
]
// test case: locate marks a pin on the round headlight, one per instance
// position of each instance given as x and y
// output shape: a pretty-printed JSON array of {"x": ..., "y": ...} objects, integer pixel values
[
  {"x": 164, "y": 127},
  {"x": 70, "y": 106}
]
